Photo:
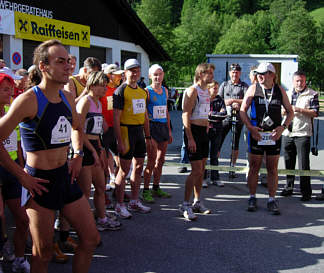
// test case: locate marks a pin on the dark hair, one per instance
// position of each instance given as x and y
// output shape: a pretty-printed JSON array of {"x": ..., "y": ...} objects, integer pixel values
[
  {"x": 96, "y": 78},
  {"x": 91, "y": 62},
  {"x": 34, "y": 78},
  {"x": 299, "y": 73},
  {"x": 41, "y": 52}
]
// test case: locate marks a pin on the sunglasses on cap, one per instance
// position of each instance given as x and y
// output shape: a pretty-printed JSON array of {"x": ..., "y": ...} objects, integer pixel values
[
  {"x": 263, "y": 73},
  {"x": 234, "y": 67}
]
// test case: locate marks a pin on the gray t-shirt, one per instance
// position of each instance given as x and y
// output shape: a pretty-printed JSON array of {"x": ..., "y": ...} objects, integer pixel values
[{"x": 228, "y": 90}]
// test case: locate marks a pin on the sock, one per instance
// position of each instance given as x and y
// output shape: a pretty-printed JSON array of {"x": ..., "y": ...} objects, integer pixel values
[
  {"x": 196, "y": 200},
  {"x": 102, "y": 220},
  {"x": 186, "y": 203},
  {"x": 64, "y": 235},
  {"x": 271, "y": 199},
  {"x": 156, "y": 187}
]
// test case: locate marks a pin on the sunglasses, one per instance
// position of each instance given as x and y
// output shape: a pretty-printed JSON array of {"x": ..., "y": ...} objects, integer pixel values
[{"x": 263, "y": 73}]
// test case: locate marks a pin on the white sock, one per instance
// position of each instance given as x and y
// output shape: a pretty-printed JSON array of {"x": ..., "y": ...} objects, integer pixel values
[{"x": 196, "y": 200}]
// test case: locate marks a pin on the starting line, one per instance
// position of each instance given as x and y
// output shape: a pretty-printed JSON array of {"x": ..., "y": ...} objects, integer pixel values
[{"x": 319, "y": 173}]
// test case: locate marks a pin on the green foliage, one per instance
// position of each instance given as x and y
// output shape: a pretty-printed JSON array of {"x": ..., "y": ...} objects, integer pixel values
[{"x": 318, "y": 14}]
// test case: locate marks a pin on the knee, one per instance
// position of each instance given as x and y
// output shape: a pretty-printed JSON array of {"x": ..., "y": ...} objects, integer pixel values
[
  {"x": 91, "y": 240},
  {"x": 44, "y": 253}
]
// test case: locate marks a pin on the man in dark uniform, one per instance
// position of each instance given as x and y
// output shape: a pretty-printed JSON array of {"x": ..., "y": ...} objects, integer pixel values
[{"x": 232, "y": 92}]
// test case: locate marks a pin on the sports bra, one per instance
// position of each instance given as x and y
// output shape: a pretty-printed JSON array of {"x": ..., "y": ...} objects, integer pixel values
[
  {"x": 51, "y": 127},
  {"x": 94, "y": 119}
]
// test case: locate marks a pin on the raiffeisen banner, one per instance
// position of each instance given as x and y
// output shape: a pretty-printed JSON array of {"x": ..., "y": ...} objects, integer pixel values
[{"x": 37, "y": 28}]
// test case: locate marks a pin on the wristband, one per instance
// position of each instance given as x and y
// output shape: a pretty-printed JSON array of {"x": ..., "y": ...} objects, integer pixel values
[{"x": 79, "y": 152}]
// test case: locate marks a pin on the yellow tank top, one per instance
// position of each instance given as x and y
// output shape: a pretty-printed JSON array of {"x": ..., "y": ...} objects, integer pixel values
[
  {"x": 133, "y": 103},
  {"x": 78, "y": 86}
]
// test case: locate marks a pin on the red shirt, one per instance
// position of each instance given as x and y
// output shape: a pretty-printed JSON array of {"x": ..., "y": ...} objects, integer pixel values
[{"x": 107, "y": 106}]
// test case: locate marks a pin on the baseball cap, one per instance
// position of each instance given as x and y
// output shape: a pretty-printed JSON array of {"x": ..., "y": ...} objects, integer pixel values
[
  {"x": 154, "y": 67},
  {"x": 4, "y": 76},
  {"x": 265, "y": 67},
  {"x": 8, "y": 71},
  {"x": 112, "y": 69},
  {"x": 234, "y": 67},
  {"x": 131, "y": 63}
]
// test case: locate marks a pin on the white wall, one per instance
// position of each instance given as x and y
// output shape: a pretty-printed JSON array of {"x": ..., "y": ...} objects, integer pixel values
[{"x": 289, "y": 64}]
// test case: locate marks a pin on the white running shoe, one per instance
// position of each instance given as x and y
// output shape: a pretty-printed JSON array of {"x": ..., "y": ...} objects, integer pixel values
[
  {"x": 218, "y": 183},
  {"x": 187, "y": 213},
  {"x": 198, "y": 207},
  {"x": 138, "y": 207},
  {"x": 21, "y": 266},
  {"x": 122, "y": 211}
]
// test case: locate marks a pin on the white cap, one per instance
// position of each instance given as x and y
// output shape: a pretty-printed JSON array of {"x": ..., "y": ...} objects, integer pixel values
[
  {"x": 154, "y": 67},
  {"x": 8, "y": 71},
  {"x": 31, "y": 68},
  {"x": 265, "y": 67},
  {"x": 112, "y": 68},
  {"x": 131, "y": 63}
]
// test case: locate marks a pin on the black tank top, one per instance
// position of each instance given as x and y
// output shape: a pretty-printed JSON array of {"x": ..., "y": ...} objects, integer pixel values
[{"x": 258, "y": 107}]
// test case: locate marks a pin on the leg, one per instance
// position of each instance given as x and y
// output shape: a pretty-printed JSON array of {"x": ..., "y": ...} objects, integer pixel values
[
  {"x": 136, "y": 177},
  {"x": 151, "y": 158},
  {"x": 85, "y": 180},
  {"x": 199, "y": 179},
  {"x": 272, "y": 177},
  {"x": 124, "y": 166},
  {"x": 21, "y": 220},
  {"x": 79, "y": 215},
  {"x": 99, "y": 194},
  {"x": 161, "y": 150},
  {"x": 195, "y": 175},
  {"x": 290, "y": 154},
  {"x": 255, "y": 164},
  {"x": 303, "y": 150},
  {"x": 41, "y": 221}
]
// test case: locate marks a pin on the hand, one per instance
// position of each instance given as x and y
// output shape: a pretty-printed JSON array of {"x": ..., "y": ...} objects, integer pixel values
[
  {"x": 192, "y": 146},
  {"x": 149, "y": 144},
  {"x": 276, "y": 133},
  {"x": 121, "y": 147},
  {"x": 254, "y": 130},
  {"x": 75, "y": 166},
  {"x": 96, "y": 159},
  {"x": 236, "y": 106},
  {"x": 32, "y": 184},
  {"x": 296, "y": 109},
  {"x": 228, "y": 102},
  {"x": 103, "y": 159},
  {"x": 170, "y": 139}
]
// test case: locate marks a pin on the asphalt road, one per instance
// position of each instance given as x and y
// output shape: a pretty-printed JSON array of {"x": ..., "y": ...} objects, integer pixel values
[{"x": 231, "y": 239}]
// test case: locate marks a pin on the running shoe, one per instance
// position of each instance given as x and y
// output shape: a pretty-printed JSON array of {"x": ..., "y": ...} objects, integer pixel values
[
  {"x": 69, "y": 245},
  {"x": 287, "y": 191},
  {"x": 147, "y": 197},
  {"x": 20, "y": 265},
  {"x": 8, "y": 251},
  {"x": 108, "y": 225},
  {"x": 161, "y": 193},
  {"x": 320, "y": 197},
  {"x": 273, "y": 207},
  {"x": 57, "y": 224},
  {"x": 218, "y": 183},
  {"x": 122, "y": 211},
  {"x": 187, "y": 213},
  {"x": 232, "y": 174},
  {"x": 58, "y": 255},
  {"x": 252, "y": 204},
  {"x": 182, "y": 169},
  {"x": 198, "y": 207},
  {"x": 138, "y": 207}
]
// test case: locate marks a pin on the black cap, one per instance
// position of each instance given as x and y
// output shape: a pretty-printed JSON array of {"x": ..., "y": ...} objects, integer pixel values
[{"x": 235, "y": 67}]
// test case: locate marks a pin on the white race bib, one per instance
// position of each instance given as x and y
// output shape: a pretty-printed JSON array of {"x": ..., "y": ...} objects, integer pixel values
[
  {"x": 159, "y": 112},
  {"x": 110, "y": 103},
  {"x": 10, "y": 143},
  {"x": 138, "y": 106},
  {"x": 266, "y": 139},
  {"x": 61, "y": 132},
  {"x": 204, "y": 109},
  {"x": 97, "y": 126}
]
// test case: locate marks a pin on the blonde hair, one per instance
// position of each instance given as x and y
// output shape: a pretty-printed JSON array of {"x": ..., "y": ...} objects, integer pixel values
[
  {"x": 96, "y": 78},
  {"x": 213, "y": 84},
  {"x": 202, "y": 68}
]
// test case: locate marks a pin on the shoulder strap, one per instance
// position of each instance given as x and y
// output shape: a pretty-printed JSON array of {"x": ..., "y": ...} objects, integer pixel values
[
  {"x": 41, "y": 101},
  {"x": 64, "y": 99}
]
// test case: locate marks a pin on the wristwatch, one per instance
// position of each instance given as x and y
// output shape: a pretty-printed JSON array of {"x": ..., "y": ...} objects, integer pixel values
[
  {"x": 79, "y": 152},
  {"x": 284, "y": 125}
]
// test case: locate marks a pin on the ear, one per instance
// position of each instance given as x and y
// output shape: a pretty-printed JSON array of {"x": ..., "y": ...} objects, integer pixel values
[{"x": 42, "y": 66}]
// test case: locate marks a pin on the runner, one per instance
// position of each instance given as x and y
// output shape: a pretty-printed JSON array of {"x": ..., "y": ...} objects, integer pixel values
[
  {"x": 130, "y": 120},
  {"x": 48, "y": 181},
  {"x": 265, "y": 99},
  {"x": 196, "y": 107},
  {"x": 160, "y": 131},
  {"x": 93, "y": 164},
  {"x": 10, "y": 187}
]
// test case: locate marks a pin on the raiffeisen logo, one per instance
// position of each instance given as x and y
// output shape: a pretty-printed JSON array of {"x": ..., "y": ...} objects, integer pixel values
[{"x": 41, "y": 29}]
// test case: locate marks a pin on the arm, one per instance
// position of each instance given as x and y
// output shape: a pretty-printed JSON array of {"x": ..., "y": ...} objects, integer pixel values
[
  {"x": 168, "y": 118},
  {"x": 189, "y": 98},
  {"x": 70, "y": 87},
  {"x": 120, "y": 144},
  {"x": 247, "y": 100},
  {"x": 17, "y": 113},
  {"x": 312, "y": 112}
]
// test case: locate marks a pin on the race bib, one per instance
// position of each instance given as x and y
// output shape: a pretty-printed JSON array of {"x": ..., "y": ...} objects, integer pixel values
[
  {"x": 159, "y": 112},
  {"x": 138, "y": 106},
  {"x": 266, "y": 139},
  {"x": 10, "y": 143},
  {"x": 61, "y": 132},
  {"x": 110, "y": 105},
  {"x": 97, "y": 125},
  {"x": 204, "y": 109}
]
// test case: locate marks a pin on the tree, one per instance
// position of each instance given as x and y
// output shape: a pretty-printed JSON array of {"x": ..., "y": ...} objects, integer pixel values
[{"x": 247, "y": 35}]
